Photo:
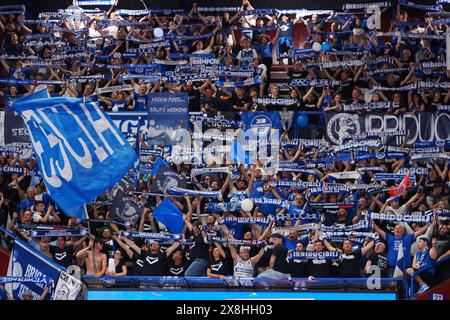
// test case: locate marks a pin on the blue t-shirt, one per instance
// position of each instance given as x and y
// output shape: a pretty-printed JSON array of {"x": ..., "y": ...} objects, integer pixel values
[
  {"x": 140, "y": 102},
  {"x": 423, "y": 258},
  {"x": 265, "y": 51},
  {"x": 289, "y": 244},
  {"x": 394, "y": 244},
  {"x": 236, "y": 229},
  {"x": 26, "y": 204},
  {"x": 267, "y": 209}
]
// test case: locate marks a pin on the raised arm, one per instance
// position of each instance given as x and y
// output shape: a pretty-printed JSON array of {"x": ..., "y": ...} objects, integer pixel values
[{"x": 378, "y": 230}]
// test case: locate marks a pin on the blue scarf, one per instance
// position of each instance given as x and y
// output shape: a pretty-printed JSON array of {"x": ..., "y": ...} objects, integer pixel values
[
  {"x": 425, "y": 7},
  {"x": 58, "y": 233},
  {"x": 36, "y": 280},
  {"x": 150, "y": 235},
  {"x": 417, "y": 216},
  {"x": 215, "y": 207},
  {"x": 196, "y": 193},
  {"x": 236, "y": 242},
  {"x": 246, "y": 220},
  {"x": 368, "y": 105},
  {"x": 238, "y": 84}
]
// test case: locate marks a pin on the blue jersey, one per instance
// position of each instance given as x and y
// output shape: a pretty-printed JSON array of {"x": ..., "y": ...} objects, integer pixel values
[
  {"x": 267, "y": 209},
  {"x": 140, "y": 102},
  {"x": 423, "y": 258},
  {"x": 393, "y": 246}
]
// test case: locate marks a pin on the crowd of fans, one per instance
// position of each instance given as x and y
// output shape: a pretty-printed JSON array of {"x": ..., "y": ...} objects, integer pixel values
[{"x": 99, "y": 49}]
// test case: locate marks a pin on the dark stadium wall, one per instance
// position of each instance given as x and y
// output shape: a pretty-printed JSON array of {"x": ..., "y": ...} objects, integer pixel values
[{"x": 35, "y": 6}]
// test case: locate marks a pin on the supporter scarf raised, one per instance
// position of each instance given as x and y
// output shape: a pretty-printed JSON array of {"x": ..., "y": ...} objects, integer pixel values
[
  {"x": 196, "y": 172},
  {"x": 357, "y": 6},
  {"x": 150, "y": 235},
  {"x": 365, "y": 224},
  {"x": 236, "y": 242},
  {"x": 367, "y": 105},
  {"x": 36, "y": 280},
  {"x": 246, "y": 220},
  {"x": 237, "y": 84},
  {"x": 332, "y": 205},
  {"x": 314, "y": 255},
  {"x": 414, "y": 5},
  {"x": 125, "y": 87},
  {"x": 409, "y": 35},
  {"x": 428, "y": 156},
  {"x": 196, "y": 193},
  {"x": 278, "y": 102},
  {"x": 215, "y": 207},
  {"x": 417, "y": 216},
  {"x": 58, "y": 233}
]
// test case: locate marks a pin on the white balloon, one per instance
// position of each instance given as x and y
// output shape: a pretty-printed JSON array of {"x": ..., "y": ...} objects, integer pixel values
[
  {"x": 115, "y": 108},
  {"x": 247, "y": 205},
  {"x": 316, "y": 46},
  {"x": 158, "y": 32}
]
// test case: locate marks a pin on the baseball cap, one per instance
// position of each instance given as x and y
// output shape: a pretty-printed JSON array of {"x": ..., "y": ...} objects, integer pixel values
[
  {"x": 424, "y": 238},
  {"x": 277, "y": 235}
]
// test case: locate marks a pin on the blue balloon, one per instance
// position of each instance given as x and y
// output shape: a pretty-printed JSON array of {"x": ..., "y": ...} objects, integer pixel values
[
  {"x": 326, "y": 46},
  {"x": 302, "y": 120}
]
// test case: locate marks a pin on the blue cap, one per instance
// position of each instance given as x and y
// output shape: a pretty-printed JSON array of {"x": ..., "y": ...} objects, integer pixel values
[{"x": 396, "y": 199}]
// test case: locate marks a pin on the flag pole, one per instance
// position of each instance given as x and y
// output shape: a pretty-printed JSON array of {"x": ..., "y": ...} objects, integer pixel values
[{"x": 89, "y": 233}]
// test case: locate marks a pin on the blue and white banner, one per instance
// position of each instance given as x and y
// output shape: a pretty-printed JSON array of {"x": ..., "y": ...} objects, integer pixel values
[
  {"x": 80, "y": 152},
  {"x": 425, "y": 126},
  {"x": 167, "y": 112},
  {"x": 27, "y": 262}
]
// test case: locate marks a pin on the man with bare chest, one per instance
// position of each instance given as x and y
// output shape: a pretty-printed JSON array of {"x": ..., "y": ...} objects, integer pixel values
[{"x": 94, "y": 259}]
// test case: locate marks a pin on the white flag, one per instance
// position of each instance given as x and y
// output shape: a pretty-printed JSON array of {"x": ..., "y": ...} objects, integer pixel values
[{"x": 67, "y": 287}]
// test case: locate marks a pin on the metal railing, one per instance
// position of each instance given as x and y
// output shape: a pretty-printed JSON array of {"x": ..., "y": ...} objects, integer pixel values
[{"x": 247, "y": 284}]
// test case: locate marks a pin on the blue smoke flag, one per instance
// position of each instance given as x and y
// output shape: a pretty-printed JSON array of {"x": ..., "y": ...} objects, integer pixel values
[
  {"x": 168, "y": 214},
  {"x": 79, "y": 150}
]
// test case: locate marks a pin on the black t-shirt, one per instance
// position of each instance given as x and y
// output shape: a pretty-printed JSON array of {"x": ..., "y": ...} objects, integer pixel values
[
  {"x": 298, "y": 268},
  {"x": 194, "y": 99},
  {"x": 281, "y": 265},
  {"x": 320, "y": 268},
  {"x": 240, "y": 102},
  {"x": 199, "y": 250},
  {"x": 174, "y": 270},
  {"x": 119, "y": 266},
  {"x": 138, "y": 265},
  {"x": 380, "y": 260},
  {"x": 346, "y": 89},
  {"x": 349, "y": 265},
  {"x": 64, "y": 257},
  {"x": 218, "y": 267},
  {"x": 154, "y": 264}
]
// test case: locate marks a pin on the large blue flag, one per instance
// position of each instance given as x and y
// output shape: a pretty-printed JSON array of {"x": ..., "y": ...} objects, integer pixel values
[
  {"x": 80, "y": 152},
  {"x": 168, "y": 214}
]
